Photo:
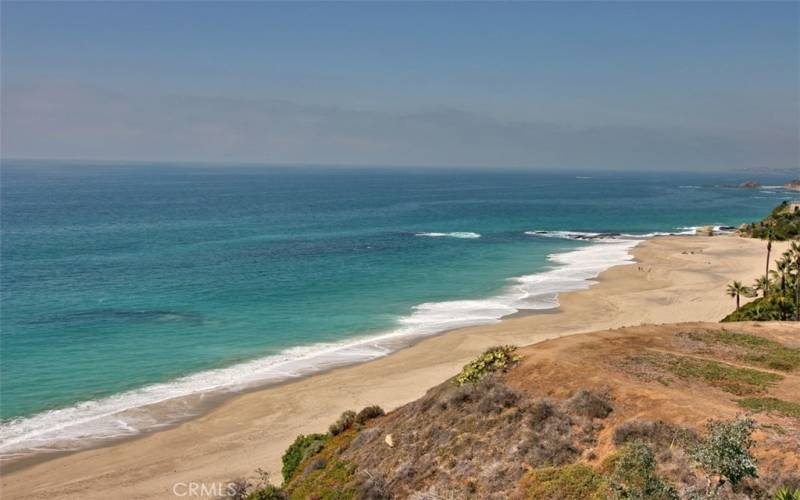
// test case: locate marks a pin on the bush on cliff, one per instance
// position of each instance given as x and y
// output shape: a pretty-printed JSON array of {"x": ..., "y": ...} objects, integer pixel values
[
  {"x": 302, "y": 448},
  {"x": 268, "y": 492},
  {"x": 346, "y": 421},
  {"x": 368, "y": 413},
  {"x": 494, "y": 359},
  {"x": 725, "y": 451},
  {"x": 326, "y": 474},
  {"x": 574, "y": 481},
  {"x": 632, "y": 474}
]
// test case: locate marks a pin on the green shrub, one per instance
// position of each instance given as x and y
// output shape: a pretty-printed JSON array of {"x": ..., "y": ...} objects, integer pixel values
[
  {"x": 782, "y": 223},
  {"x": 570, "y": 482},
  {"x": 326, "y": 475},
  {"x": 632, "y": 474},
  {"x": 494, "y": 359},
  {"x": 787, "y": 494},
  {"x": 302, "y": 448},
  {"x": 725, "y": 450},
  {"x": 771, "y": 308},
  {"x": 369, "y": 413},
  {"x": 335, "y": 481},
  {"x": 346, "y": 421}
]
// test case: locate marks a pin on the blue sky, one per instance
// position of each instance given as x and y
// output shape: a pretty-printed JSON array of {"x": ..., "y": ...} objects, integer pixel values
[{"x": 639, "y": 85}]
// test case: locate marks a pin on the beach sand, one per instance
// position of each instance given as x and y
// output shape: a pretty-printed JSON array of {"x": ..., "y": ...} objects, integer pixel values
[{"x": 674, "y": 279}]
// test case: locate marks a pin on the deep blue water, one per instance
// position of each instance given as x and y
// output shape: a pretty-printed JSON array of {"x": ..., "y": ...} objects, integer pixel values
[{"x": 115, "y": 277}]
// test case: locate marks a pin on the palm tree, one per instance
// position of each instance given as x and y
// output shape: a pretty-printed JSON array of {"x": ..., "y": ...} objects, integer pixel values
[
  {"x": 763, "y": 283},
  {"x": 783, "y": 305},
  {"x": 797, "y": 288},
  {"x": 737, "y": 289},
  {"x": 782, "y": 267},
  {"x": 768, "y": 235},
  {"x": 796, "y": 249}
]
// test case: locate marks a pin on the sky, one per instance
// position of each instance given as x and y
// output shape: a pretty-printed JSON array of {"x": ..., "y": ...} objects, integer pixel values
[{"x": 621, "y": 85}]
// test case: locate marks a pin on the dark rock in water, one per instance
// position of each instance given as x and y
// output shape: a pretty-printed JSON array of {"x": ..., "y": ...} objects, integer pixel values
[
  {"x": 578, "y": 235},
  {"x": 744, "y": 185},
  {"x": 598, "y": 236},
  {"x": 603, "y": 236}
]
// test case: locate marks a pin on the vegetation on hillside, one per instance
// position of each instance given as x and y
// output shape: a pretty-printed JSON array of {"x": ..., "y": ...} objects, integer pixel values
[
  {"x": 302, "y": 448},
  {"x": 779, "y": 286},
  {"x": 737, "y": 380},
  {"x": 779, "y": 406},
  {"x": 751, "y": 349},
  {"x": 725, "y": 451},
  {"x": 782, "y": 224},
  {"x": 568, "y": 481},
  {"x": 493, "y": 359},
  {"x": 487, "y": 438}
]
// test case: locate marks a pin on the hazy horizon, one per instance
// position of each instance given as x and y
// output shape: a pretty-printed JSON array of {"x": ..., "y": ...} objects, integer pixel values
[{"x": 610, "y": 86}]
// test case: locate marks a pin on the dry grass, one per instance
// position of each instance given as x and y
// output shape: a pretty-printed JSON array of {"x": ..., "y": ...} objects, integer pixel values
[{"x": 660, "y": 434}]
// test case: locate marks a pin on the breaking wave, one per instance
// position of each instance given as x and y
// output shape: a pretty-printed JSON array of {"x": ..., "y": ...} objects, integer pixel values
[{"x": 463, "y": 235}]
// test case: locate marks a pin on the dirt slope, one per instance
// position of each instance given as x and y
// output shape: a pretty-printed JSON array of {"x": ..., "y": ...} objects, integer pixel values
[{"x": 577, "y": 400}]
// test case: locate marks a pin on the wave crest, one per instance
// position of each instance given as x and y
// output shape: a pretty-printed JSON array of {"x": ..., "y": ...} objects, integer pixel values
[
  {"x": 456, "y": 234},
  {"x": 600, "y": 237}
]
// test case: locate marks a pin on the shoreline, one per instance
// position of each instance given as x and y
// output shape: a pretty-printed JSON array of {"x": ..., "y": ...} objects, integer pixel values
[
  {"x": 218, "y": 399},
  {"x": 156, "y": 407},
  {"x": 674, "y": 278}
]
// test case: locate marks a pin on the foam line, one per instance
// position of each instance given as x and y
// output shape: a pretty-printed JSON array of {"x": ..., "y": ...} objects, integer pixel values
[
  {"x": 152, "y": 406},
  {"x": 457, "y": 234}
]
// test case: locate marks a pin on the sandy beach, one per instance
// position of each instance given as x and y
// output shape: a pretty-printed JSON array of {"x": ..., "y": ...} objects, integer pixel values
[{"x": 674, "y": 279}]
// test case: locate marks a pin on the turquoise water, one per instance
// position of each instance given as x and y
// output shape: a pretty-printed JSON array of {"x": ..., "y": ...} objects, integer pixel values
[{"x": 118, "y": 277}]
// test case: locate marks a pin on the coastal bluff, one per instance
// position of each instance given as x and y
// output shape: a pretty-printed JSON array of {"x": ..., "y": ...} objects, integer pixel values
[{"x": 553, "y": 425}]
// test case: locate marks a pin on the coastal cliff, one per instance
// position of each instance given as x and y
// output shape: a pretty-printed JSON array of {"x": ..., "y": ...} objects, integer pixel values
[{"x": 614, "y": 413}]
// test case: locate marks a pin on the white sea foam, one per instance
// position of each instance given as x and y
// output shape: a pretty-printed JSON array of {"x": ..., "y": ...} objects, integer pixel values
[
  {"x": 156, "y": 405},
  {"x": 456, "y": 234},
  {"x": 568, "y": 235},
  {"x": 587, "y": 236},
  {"x": 718, "y": 229}
]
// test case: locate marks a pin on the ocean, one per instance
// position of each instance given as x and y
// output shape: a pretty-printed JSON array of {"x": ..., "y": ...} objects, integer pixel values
[{"x": 132, "y": 292}]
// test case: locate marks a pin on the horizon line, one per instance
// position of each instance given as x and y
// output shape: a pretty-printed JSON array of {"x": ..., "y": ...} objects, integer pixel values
[{"x": 255, "y": 164}]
